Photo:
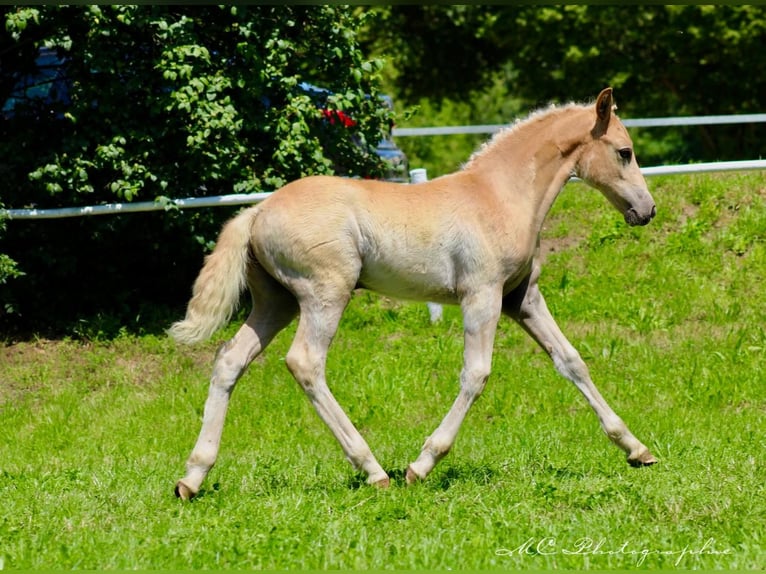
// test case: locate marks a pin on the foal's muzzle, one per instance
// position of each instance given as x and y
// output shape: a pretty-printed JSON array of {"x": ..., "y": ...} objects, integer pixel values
[{"x": 632, "y": 217}]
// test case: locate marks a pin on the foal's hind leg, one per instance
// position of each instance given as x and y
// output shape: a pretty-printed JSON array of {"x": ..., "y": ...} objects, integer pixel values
[
  {"x": 273, "y": 309},
  {"x": 527, "y": 306},
  {"x": 320, "y": 314},
  {"x": 481, "y": 312}
]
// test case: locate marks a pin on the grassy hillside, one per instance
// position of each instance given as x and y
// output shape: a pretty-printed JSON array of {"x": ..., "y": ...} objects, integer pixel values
[{"x": 669, "y": 318}]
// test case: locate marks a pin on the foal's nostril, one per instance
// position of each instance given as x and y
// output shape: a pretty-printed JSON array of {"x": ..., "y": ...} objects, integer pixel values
[
  {"x": 654, "y": 211},
  {"x": 632, "y": 217}
]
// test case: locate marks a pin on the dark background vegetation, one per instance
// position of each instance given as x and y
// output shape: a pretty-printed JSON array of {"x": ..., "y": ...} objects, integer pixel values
[{"x": 180, "y": 101}]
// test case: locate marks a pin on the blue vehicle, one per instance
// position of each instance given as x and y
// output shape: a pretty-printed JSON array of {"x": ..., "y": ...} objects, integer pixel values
[{"x": 44, "y": 91}]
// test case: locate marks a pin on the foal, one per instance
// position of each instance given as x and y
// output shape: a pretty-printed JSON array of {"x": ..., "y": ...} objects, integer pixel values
[{"x": 469, "y": 238}]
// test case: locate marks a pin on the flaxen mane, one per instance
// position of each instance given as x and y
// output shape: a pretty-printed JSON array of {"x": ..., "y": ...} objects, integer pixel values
[{"x": 517, "y": 125}]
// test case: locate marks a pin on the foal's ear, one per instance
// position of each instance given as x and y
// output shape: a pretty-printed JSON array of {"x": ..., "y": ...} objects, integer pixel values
[{"x": 604, "y": 105}]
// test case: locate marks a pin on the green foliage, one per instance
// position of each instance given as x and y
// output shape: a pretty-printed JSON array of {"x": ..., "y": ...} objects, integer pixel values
[
  {"x": 8, "y": 268},
  {"x": 95, "y": 433},
  {"x": 167, "y": 102},
  {"x": 437, "y": 51}
]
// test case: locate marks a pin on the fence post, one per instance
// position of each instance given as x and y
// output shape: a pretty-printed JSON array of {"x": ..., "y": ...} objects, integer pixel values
[{"x": 435, "y": 310}]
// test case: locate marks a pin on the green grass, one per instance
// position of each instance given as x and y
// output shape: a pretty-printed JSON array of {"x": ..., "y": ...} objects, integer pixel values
[{"x": 669, "y": 318}]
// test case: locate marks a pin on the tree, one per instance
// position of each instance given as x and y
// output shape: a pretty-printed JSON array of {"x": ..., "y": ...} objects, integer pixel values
[
  {"x": 163, "y": 102},
  {"x": 662, "y": 60},
  {"x": 436, "y": 51}
]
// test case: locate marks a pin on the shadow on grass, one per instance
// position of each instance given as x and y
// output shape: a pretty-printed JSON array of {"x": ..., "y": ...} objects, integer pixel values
[
  {"x": 438, "y": 480},
  {"x": 443, "y": 478},
  {"x": 202, "y": 494},
  {"x": 479, "y": 474}
]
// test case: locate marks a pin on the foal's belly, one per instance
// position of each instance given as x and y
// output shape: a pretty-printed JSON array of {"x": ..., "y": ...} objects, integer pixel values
[{"x": 415, "y": 281}]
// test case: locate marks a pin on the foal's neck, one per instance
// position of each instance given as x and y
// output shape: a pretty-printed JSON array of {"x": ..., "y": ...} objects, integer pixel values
[{"x": 529, "y": 163}]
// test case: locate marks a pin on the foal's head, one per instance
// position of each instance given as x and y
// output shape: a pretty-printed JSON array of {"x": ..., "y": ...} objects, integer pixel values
[{"x": 609, "y": 164}]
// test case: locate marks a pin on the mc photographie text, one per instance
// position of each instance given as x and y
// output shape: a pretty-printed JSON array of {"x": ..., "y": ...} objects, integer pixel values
[{"x": 551, "y": 546}]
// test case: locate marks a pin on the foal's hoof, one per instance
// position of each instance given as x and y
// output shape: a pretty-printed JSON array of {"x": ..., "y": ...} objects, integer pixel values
[
  {"x": 184, "y": 492},
  {"x": 646, "y": 458},
  {"x": 383, "y": 483},
  {"x": 411, "y": 477}
]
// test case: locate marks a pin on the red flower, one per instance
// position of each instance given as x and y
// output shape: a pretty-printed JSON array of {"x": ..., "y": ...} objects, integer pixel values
[{"x": 340, "y": 116}]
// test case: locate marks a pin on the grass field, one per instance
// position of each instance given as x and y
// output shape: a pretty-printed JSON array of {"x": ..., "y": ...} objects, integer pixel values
[{"x": 669, "y": 318}]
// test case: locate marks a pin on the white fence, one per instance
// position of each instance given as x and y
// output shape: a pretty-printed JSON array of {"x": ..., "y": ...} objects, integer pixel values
[
  {"x": 244, "y": 199},
  {"x": 136, "y": 207},
  {"x": 630, "y": 123}
]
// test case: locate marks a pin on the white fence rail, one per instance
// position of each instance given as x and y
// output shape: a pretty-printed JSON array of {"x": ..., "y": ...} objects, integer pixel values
[
  {"x": 245, "y": 199},
  {"x": 137, "y": 207},
  {"x": 630, "y": 123}
]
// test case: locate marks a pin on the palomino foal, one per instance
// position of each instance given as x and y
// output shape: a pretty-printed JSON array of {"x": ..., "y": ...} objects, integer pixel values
[{"x": 469, "y": 238}]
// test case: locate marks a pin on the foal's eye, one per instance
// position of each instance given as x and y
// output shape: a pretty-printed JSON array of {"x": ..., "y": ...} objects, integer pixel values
[{"x": 626, "y": 154}]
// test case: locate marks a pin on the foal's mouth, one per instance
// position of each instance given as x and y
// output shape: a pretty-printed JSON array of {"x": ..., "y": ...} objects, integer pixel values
[{"x": 632, "y": 217}]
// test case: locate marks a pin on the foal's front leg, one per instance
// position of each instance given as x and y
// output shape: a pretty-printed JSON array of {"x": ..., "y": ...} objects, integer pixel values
[
  {"x": 527, "y": 306},
  {"x": 481, "y": 312}
]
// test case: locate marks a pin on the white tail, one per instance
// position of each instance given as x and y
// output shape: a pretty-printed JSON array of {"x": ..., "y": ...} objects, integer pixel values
[{"x": 220, "y": 283}]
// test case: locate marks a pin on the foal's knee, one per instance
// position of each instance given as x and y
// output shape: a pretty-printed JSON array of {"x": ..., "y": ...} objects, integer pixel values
[{"x": 474, "y": 379}]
